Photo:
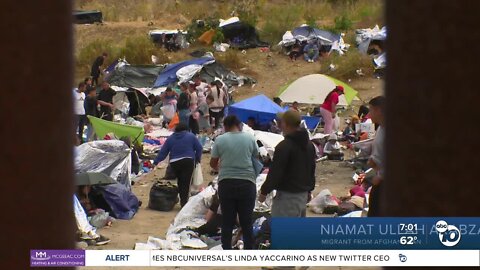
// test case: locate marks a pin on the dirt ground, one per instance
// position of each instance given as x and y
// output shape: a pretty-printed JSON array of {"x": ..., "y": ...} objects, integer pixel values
[
  {"x": 272, "y": 71},
  {"x": 125, "y": 233}
]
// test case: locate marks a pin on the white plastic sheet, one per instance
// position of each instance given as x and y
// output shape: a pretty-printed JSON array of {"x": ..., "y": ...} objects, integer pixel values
[
  {"x": 322, "y": 200},
  {"x": 269, "y": 140},
  {"x": 191, "y": 215},
  {"x": 186, "y": 73}
]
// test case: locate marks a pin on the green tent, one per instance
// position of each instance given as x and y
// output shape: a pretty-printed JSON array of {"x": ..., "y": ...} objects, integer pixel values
[
  {"x": 103, "y": 127},
  {"x": 313, "y": 88}
]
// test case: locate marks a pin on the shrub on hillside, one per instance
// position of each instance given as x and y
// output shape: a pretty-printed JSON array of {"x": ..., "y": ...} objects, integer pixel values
[
  {"x": 91, "y": 51},
  {"x": 346, "y": 66},
  {"x": 280, "y": 20},
  {"x": 231, "y": 59}
]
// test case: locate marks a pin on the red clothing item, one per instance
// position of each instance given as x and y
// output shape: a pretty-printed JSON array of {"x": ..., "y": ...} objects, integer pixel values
[{"x": 327, "y": 105}]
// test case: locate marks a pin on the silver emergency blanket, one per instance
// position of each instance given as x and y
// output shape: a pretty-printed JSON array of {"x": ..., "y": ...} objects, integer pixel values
[
  {"x": 365, "y": 36},
  {"x": 111, "y": 157}
]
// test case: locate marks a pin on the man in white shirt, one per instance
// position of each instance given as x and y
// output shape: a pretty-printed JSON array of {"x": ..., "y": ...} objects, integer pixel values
[{"x": 79, "y": 109}]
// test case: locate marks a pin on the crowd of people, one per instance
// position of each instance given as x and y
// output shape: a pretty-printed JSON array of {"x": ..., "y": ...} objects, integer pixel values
[{"x": 199, "y": 107}]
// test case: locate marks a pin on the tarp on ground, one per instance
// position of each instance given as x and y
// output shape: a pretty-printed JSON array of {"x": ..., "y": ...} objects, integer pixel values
[
  {"x": 87, "y": 16},
  {"x": 241, "y": 35},
  {"x": 134, "y": 76},
  {"x": 103, "y": 127},
  {"x": 216, "y": 70},
  {"x": 122, "y": 203},
  {"x": 169, "y": 74},
  {"x": 314, "y": 88},
  {"x": 112, "y": 157},
  {"x": 263, "y": 109}
]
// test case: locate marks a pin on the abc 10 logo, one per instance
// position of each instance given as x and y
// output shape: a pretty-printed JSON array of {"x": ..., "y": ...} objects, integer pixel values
[{"x": 449, "y": 235}]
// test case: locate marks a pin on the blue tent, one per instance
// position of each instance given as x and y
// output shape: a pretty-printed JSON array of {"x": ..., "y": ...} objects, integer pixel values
[
  {"x": 169, "y": 74},
  {"x": 263, "y": 109}
]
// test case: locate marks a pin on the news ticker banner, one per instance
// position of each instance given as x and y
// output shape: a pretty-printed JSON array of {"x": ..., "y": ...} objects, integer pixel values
[
  {"x": 376, "y": 233},
  {"x": 258, "y": 258},
  {"x": 313, "y": 242}
]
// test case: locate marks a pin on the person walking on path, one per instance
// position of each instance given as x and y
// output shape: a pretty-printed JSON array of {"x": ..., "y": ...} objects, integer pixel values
[
  {"x": 328, "y": 109},
  {"x": 185, "y": 152},
  {"x": 292, "y": 173},
  {"x": 232, "y": 156}
]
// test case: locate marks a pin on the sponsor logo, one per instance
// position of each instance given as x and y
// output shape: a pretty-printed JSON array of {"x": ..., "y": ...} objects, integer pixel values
[
  {"x": 40, "y": 256},
  {"x": 64, "y": 258},
  {"x": 449, "y": 235}
]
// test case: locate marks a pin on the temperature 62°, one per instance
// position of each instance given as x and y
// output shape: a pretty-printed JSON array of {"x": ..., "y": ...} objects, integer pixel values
[{"x": 408, "y": 240}]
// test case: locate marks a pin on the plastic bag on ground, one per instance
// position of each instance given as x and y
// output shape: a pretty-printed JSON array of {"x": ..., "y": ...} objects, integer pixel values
[
  {"x": 190, "y": 240},
  {"x": 322, "y": 200}
]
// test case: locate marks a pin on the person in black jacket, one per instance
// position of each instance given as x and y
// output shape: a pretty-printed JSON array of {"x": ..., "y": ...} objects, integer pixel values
[
  {"x": 292, "y": 173},
  {"x": 96, "y": 69}
]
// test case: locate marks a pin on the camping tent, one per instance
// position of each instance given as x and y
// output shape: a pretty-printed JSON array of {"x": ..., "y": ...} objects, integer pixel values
[
  {"x": 169, "y": 74},
  {"x": 305, "y": 33},
  {"x": 314, "y": 88},
  {"x": 134, "y": 76},
  {"x": 179, "y": 37},
  {"x": 241, "y": 35},
  {"x": 207, "y": 69},
  {"x": 103, "y": 127},
  {"x": 112, "y": 158},
  {"x": 130, "y": 101},
  {"x": 261, "y": 107},
  {"x": 87, "y": 16}
]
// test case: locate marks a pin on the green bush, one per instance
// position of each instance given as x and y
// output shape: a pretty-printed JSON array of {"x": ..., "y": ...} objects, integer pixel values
[
  {"x": 92, "y": 50},
  {"x": 137, "y": 50},
  {"x": 342, "y": 23},
  {"x": 195, "y": 32},
  {"x": 231, "y": 59},
  {"x": 248, "y": 11},
  {"x": 280, "y": 20},
  {"x": 311, "y": 20}
]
